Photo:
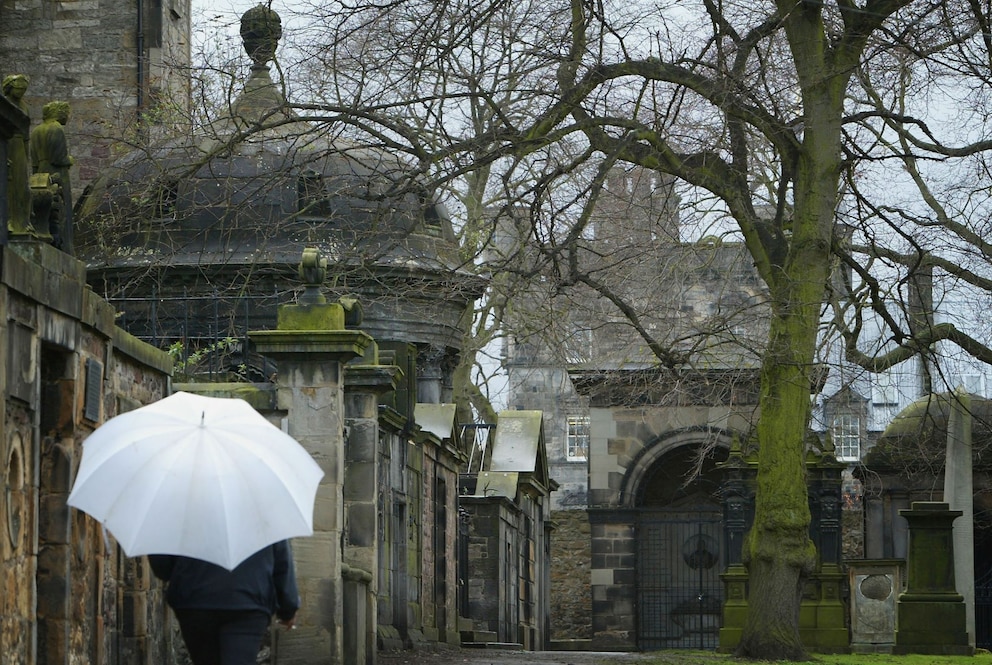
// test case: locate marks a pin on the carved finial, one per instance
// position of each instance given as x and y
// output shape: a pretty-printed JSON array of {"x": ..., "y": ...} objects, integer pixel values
[
  {"x": 261, "y": 29},
  {"x": 313, "y": 271},
  {"x": 828, "y": 443}
]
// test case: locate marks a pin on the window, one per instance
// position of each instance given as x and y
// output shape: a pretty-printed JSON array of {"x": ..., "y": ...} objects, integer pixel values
[
  {"x": 577, "y": 444},
  {"x": 578, "y": 346},
  {"x": 311, "y": 195},
  {"x": 845, "y": 431},
  {"x": 884, "y": 402}
]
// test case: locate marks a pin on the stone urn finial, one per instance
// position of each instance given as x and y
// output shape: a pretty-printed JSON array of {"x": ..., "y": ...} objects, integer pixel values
[
  {"x": 313, "y": 272},
  {"x": 261, "y": 29}
]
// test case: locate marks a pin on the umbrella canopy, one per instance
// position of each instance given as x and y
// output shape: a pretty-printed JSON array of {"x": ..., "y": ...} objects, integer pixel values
[{"x": 204, "y": 477}]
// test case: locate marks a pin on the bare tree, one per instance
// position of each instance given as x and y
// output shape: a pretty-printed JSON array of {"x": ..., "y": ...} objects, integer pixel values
[
  {"x": 753, "y": 107},
  {"x": 786, "y": 124}
]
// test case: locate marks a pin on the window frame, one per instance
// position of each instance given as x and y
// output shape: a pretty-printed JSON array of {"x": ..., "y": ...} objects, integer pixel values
[
  {"x": 846, "y": 428},
  {"x": 576, "y": 428}
]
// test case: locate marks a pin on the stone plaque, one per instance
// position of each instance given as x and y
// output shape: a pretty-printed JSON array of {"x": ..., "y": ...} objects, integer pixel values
[
  {"x": 875, "y": 587},
  {"x": 22, "y": 361}
]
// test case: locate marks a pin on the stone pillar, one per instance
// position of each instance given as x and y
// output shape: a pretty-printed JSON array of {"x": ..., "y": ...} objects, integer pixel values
[
  {"x": 736, "y": 504},
  {"x": 357, "y": 648},
  {"x": 54, "y": 614},
  {"x": 825, "y": 497},
  {"x": 429, "y": 376},
  {"x": 363, "y": 384},
  {"x": 959, "y": 494},
  {"x": 822, "y": 623},
  {"x": 931, "y": 614},
  {"x": 614, "y": 580},
  {"x": 361, "y": 459},
  {"x": 737, "y": 508},
  {"x": 875, "y": 528},
  {"x": 310, "y": 346}
]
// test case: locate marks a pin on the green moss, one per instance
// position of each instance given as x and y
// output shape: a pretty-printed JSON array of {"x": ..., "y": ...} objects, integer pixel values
[
  {"x": 324, "y": 316},
  {"x": 710, "y": 658}
]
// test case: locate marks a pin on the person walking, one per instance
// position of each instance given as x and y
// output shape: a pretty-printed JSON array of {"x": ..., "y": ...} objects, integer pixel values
[{"x": 223, "y": 614}]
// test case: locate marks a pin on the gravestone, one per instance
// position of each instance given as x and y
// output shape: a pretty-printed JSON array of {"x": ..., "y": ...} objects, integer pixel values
[{"x": 931, "y": 613}]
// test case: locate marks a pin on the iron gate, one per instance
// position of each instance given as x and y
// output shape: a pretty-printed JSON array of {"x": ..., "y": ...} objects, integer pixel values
[
  {"x": 679, "y": 591},
  {"x": 983, "y": 611}
]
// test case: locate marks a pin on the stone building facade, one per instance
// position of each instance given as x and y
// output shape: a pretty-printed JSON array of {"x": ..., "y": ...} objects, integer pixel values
[
  {"x": 656, "y": 513},
  {"x": 71, "y": 595},
  {"x": 112, "y": 61},
  {"x": 361, "y": 383},
  {"x": 615, "y": 420}
]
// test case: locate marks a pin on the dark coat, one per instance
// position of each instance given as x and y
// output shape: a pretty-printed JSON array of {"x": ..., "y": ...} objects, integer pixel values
[{"x": 264, "y": 581}]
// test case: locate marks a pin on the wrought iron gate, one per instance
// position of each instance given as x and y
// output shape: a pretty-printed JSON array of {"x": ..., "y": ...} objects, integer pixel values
[
  {"x": 679, "y": 591},
  {"x": 983, "y": 611}
]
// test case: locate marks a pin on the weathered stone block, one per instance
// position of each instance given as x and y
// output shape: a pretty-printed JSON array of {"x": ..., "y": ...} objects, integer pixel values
[
  {"x": 362, "y": 531},
  {"x": 134, "y": 614},
  {"x": 361, "y": 483},
  {"x": 362, "y": 441},
  {"x": 54, "y": 519}
]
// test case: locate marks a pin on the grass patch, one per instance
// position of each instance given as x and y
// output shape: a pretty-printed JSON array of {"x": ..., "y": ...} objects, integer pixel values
[{"x": 709, "y": 658}]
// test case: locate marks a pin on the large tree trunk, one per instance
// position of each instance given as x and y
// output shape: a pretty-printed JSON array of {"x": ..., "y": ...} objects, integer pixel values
[
  {"x": 778, "y": 551},
  {"x": 772, "y": 629}
]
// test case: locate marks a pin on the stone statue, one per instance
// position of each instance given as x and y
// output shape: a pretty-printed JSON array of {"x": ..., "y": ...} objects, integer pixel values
[
  {"x": 50, "y": 155},
  {"x": 18, "y": 192}
]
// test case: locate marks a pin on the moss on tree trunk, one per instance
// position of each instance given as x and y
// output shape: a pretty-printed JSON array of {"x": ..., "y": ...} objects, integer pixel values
[{"x": 778, "y": 551}]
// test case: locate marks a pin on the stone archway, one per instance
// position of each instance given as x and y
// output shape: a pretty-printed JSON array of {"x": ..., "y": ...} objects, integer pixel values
[{"x": 679, "y": 544}]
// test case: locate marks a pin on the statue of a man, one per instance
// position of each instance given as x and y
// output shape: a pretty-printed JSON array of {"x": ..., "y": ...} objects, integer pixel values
[
  {"x": 50, "y": 154},
  {"x": 18, "y": 192}
]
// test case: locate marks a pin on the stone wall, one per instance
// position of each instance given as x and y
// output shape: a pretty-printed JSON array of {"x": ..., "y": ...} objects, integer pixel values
[
  {"x": 493, "y": 568},
  {"x": 440, "y": 541},
  {"x": 17, "y": 561},
  {"x": 69, "y": 594},
  {"x": 853, "y": 531},
  {"x": 571, "y": 557},
  {"x": 614, "y": 577},
  {"x": 90, "y": 53}
]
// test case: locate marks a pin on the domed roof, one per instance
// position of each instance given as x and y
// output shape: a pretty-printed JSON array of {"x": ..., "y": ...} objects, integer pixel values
[
  {"x": 234, "y": 206},
  {"x": 257, "y": 184},
  {"x": 917, "y": 437},
  {"x": 261, "y": 199}
]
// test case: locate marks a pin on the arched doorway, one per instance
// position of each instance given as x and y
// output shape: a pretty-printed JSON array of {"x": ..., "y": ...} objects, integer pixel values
[{"x": 680, "y": 551}]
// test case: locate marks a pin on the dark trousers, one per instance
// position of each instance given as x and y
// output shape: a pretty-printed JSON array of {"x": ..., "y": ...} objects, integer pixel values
[{"x": 223, "y": 637}]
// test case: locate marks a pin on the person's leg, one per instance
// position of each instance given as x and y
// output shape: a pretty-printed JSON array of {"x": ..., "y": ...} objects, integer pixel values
[
  {"x": 241, "y": 637},
  {"x": 201, "y": 633}
]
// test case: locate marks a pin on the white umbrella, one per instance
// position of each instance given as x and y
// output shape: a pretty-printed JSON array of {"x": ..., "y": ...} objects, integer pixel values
[{"x": 204, "y": 477}]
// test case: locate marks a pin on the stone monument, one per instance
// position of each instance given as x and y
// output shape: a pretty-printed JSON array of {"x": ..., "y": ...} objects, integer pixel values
[
  {"x": 18, "y": 192},
  {"x": 931, "y": 615},
  {"x": 50, "y": 187},
  {"x": 261, "y": 30},
  {"x": 959, "y": 494}
]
